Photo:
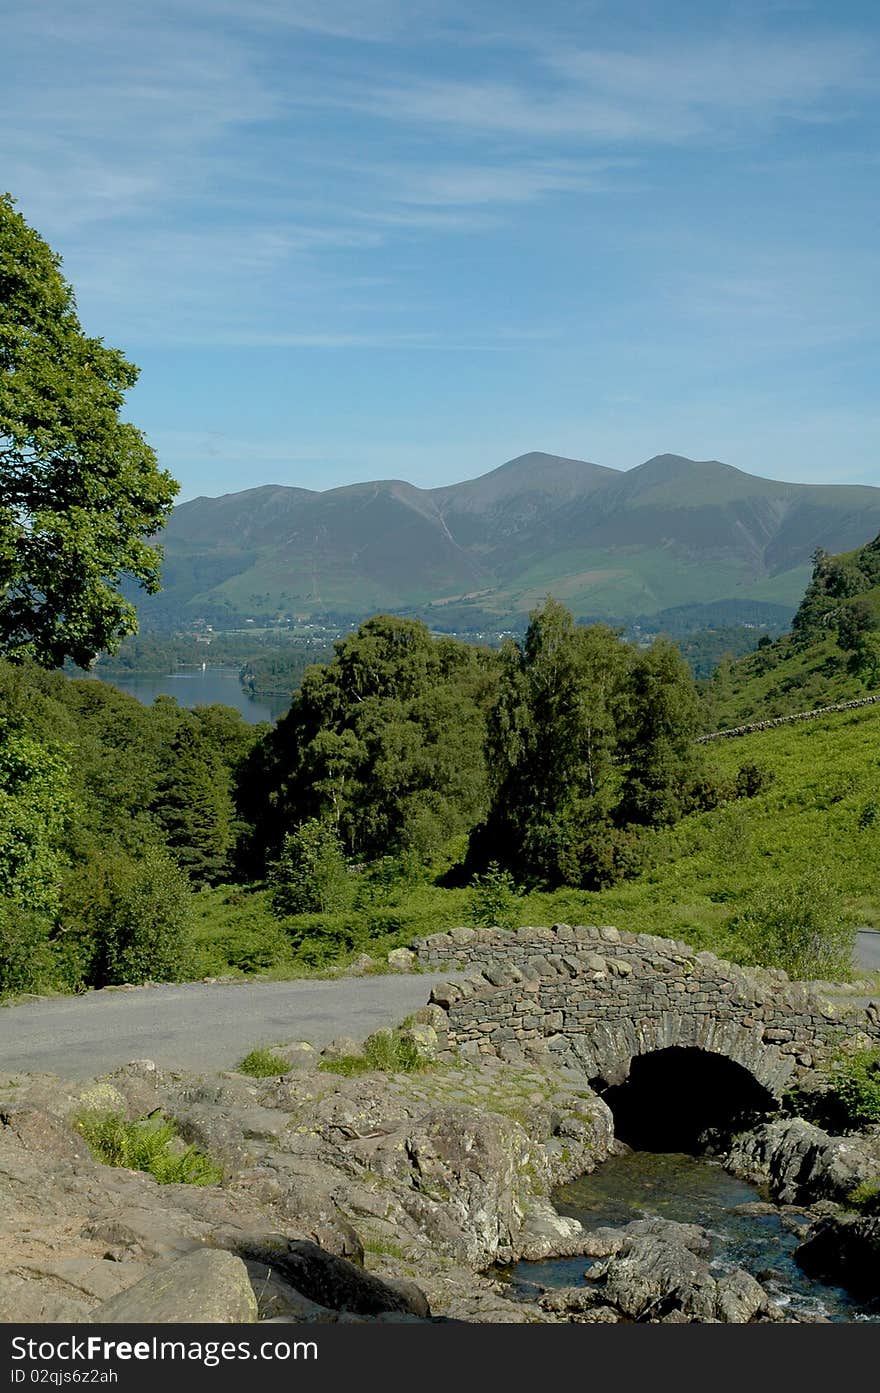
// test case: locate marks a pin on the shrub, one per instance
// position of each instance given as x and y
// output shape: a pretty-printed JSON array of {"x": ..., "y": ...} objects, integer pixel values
[
  {"x": 608, "y": 855},
  {"x": 131, "y": 918},
  {"x": 707, "y": 792},
  {"x": 801, "y": 926},
  {"x": 383, "y": 883},
  {"x": 494, "y": 898},
  {"x": 855, "y": 1082},
  {"x": 263, "y": 1063},
  {"x": 752, "y": 779},
  {"x": 148, "y": 1144},
  {"x": 311, "y": 872},
  {"x": 869, "y": 815},
  {"x": 252, "y": 948},
  {"x": 26, "y": 962},
  {"x": 321, "y": 939}
]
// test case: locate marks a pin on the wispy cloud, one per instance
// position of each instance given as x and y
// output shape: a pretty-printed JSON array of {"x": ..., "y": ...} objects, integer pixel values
[{"x": 659, "y": 94}]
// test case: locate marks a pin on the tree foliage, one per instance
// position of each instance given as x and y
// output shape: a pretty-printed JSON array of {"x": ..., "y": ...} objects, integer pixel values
[
  {"x": 34, "y": 810},
  {"x": 801, "y": 925},
  {"x": 311, "y": 872},
  {"x": 552, "y": 744},
  {"x": 588, "y": 740},
  {"x": 660, "y": 720},
  {"x": 80, "y": 490},
  {"x": 386, "y": 743}
]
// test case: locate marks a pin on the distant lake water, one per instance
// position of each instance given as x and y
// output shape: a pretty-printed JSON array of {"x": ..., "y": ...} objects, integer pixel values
[{"x": 197, "y": 687}]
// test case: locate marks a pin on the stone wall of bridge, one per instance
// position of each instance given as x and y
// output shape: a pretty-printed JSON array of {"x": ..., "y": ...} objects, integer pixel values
[{"x": 598, "y": 996}]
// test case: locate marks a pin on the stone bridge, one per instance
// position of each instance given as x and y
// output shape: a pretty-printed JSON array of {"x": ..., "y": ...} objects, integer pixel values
[{"x": 601, "y": 998}]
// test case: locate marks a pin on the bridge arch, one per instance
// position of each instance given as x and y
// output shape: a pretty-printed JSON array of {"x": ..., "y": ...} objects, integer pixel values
[
  {"x": 600, "y": 999},
  {"x": 675, "y": 1098}
]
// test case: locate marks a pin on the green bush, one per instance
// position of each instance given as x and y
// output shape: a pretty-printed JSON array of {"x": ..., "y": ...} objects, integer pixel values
[
  {"x": 131, "y": 918},
  {"x": 801, "y": 926},
  {"x": 311, "y": 872},
  {"x": 494, "y": 898},
  {"x": 263, "y": 1063},
  {"x": 148, "y": 1144},
  {"x": 319, "y": 939},
  {"x": 253, "y": 948},
  {"x": 752, "y": 779},
  {"x": 855, "y": 1083},
  {"x": 26, "y": 961}
]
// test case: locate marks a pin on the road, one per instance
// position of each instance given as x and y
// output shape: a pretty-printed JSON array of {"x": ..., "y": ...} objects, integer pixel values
[
  {"x": 198, "y": 1026},
  {"x": 203, "y": 1026},
  {"x": 867, "y": 954}
]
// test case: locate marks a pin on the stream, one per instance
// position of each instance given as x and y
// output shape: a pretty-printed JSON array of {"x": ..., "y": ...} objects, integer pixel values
[{"x": 693, "y": 1190}]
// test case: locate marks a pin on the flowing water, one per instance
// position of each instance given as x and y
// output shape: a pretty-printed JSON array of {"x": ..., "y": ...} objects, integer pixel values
[{"x": 692, "y": 1190}]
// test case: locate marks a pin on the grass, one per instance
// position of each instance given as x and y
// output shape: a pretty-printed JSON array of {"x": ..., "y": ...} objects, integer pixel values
[
  {"x": 149, "y": 1144},
  {"x": 387, "y": 1051},
  {"x": 263, "y": 1063}
]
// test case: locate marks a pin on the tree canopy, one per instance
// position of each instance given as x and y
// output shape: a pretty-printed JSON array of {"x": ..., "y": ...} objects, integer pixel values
[
  {"x": 386, "y": 742},
  {"x": 81, "y": 492}
]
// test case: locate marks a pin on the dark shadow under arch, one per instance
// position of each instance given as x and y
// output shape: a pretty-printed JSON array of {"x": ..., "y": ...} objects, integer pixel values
[{"x": 673, "y": 1097}]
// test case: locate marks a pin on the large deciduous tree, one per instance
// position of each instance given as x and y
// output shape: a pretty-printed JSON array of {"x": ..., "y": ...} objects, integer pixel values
[
  {"x": 385, "y": 743},
  {"x": 81, "y": 492},
  {"x": 552, "y": 744}
]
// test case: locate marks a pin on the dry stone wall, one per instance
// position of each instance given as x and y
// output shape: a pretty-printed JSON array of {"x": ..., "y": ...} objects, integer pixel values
[
  {"x": 733, "y": 731},
  {"x": 599, "y": 996}
]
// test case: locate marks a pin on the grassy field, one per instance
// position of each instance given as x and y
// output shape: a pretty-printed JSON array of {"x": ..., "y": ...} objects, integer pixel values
[{"x": 821, "y": 811}]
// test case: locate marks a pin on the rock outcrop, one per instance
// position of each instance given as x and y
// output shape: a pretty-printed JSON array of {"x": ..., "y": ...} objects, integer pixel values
[
  {"x": 800, "y": 1164},
  {"x": 378, "y": 1196},
  {"x": 652, "y": 1271}
]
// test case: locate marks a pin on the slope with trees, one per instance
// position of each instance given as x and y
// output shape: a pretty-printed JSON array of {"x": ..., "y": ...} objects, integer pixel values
[{"x": 832, "y": 653}]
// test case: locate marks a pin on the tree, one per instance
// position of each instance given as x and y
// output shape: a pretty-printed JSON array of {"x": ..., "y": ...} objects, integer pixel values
[
  {"x": 34, "y": 809},
  {"x": 310, "y": 873},
  {"x": 385, "y": 743},
  {"x": 661, "y": 721},
  {"x": 193, "y": 804},
  {"x": 128, "y": 919},
  {"x": 81, "y": 492},
  {"x": 552, "y": 739}
]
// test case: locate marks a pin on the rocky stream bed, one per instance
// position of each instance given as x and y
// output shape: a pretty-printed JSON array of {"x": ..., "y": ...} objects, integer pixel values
[{"x": 401, "y": 1196}]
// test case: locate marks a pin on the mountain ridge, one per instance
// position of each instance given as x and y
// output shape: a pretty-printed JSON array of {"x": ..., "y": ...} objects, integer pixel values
[{"x": 670, "y": 531}]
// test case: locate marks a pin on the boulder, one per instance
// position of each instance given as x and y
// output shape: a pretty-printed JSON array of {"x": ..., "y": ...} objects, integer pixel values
[
  {"x": 844, "y": 1249},
  {"x": 801, "y": 1164},
  {"x": 341, "y": 1047},
  {"x": 401, "y": 959},
  {"x": 333, "y": 1282},
  {"x": 468, "y": 1177},
  {"x": 208, "y": 1286},
  {"x": 422, "y": 1038},
  {"x": 653, "y": 1276}
]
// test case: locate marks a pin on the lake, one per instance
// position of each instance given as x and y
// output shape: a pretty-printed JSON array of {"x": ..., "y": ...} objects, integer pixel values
[{"x": 198, "y": 687}]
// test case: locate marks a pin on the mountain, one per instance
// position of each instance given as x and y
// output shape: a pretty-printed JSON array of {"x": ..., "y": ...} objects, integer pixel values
[{"x": 607, "y": 542}]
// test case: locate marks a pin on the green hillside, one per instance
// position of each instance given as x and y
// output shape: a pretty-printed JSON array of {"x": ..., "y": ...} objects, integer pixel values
[
  {"x": 832, "y": 653},
  {"x": 484, "y": 552},
  {"x": 820, "y": 812}
]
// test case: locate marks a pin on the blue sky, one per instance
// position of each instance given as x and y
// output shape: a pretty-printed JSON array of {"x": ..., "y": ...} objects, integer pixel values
[{"x": 350, "y": 239}]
